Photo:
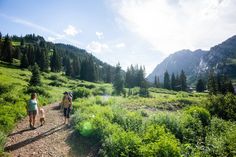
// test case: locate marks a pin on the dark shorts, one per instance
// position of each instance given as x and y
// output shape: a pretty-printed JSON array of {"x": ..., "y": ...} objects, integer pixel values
[
  {"x": 32, "y": 113},
  {"x": 67, "y": 112}
]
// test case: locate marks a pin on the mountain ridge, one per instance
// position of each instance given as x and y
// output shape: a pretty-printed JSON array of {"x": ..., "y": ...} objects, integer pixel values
[{"x": 221, "y": 58}]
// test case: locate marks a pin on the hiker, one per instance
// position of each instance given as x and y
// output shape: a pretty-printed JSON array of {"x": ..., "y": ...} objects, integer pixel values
[
  {"x": 67, "y": 105},
  {"x": 32, "y": 108}
]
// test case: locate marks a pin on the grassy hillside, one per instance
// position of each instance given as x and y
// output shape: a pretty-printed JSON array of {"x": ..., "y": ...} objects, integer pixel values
[
  {"x": 168, "y": 123},
  {"x": 15, "y": 92}
]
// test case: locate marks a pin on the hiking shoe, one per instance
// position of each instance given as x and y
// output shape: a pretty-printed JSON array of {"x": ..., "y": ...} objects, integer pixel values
[{"x": 31, "y": 126}]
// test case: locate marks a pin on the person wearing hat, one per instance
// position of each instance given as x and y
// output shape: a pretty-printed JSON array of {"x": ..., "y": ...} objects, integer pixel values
[{"x": 67, "y": 104}]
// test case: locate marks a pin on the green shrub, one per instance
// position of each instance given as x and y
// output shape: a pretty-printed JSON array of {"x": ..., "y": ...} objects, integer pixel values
[
  {"x": 193, "y": 130},
  {"x": 55, "y": 83},
  {"x": 2, "y": 141},
  {"x": 81, "y": 92},
  {"x": 171, "y": 122},
  {"x": 200, "y": 113},
  {"x": 121, "y": 143},
  {"x": 6, "y": 123},
  {"x": 159, "y": 143},
  {"x": 37, "y": 89},
  {"x": 4, "y": 88},
  {"x": 89, "y": 86},
  {"x": 130, "y": 121},
  {"x": 223, "y": 106},
  {"x": 221, "y": 138}
]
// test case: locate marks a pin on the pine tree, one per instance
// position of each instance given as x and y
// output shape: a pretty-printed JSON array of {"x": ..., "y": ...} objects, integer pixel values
[
  {"x": 140, "y": 76},
  {"x": 118, "y": 83},
  {"x": 46, "y": 60},
  {"x": 83, "y": 71},
  {"x": 219, "y": 84},
  {"x": 56, "y": 62},
  {"x": 211, "y": 83},
  {"x": 224, "y": 81},
  {"x": 183, "y": 81},
  {"x": 75, "y": 67},
  {"x": 7, "y": 51},
  {"x": 166, "y": 80},
  {"x": 155, "y": 82},
  {"x": 22, "y": 42},
  {"x": 177, "y": 83},
  {"x": 230, "y": 87},
  {"x": 31, "y": 55},
  {"x": 17, "y": 53},
  {"x": 67, "y": 66},
  {"x": 24, "y": 61},
  {"x": 91, "y": 67},
  {"x": 128, "y": 78},
  {"x": 173, "y": 81},
  {"x": 35, "y": 78},
  {"x": 143, "y": 92},
  {"x": 200, "y": 87},
  {"x": 108, "y": 74},
  {"x": 158, "y": 82}
]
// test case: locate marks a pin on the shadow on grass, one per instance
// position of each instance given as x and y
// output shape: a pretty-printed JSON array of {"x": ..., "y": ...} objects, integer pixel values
[
  {"x": 82, "y": 146},
  {"x": 33, "y": 139}
]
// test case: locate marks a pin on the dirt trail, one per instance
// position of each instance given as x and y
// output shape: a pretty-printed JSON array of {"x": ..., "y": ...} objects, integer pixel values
[{"x": 53, "y": 139}]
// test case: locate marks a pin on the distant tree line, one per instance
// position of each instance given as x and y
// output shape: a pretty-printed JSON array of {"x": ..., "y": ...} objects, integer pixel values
[
  {"x": 133, "y": 77},
  {"x": 219, "y": 84},
  {"x": 174, "y": 82},
  {"x": 75, "y": 62}
]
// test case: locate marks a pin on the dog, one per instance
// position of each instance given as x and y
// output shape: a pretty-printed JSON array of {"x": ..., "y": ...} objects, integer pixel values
[{"x": 42, "y": 116}]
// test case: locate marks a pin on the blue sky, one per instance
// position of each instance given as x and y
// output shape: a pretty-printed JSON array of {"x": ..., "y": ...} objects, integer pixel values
[{"x": 126, "y": 31}]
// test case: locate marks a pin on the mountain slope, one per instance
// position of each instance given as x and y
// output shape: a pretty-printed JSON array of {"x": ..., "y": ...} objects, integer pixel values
[{"x": 221, "y": 58}]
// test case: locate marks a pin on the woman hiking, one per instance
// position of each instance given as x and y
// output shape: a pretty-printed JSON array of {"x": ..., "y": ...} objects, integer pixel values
[
  {"x": 32, "y": 109},
  {"x": 67, "y": 105}
]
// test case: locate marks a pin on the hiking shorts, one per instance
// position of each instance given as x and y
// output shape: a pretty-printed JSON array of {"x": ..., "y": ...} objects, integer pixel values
[
  {"x": 32, "y": 113},
  {"x": 67, "y": 112}
]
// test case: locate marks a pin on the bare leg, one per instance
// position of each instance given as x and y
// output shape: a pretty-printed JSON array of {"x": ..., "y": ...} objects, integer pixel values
[
  {"x": 34, "y": 120},
  {"x": 30, "y": 120},
  {"x": 64, "y": 120}
]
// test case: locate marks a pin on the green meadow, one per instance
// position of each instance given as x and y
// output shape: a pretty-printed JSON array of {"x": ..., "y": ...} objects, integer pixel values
[{"x": 167, "y": 123}]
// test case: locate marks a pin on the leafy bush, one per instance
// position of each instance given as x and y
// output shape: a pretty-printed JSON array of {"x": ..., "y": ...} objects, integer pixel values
[
  {"x": 89, "y": 86},
  {"x": 171, "y": 122},
  {"x": 121, "y": 144},
  {"x": 221, "y": 138},
  {"x": 37, "y": 89},
  {"x": 4, "y": 88},
  {"x": 130, "y": 121},
  {"x": 199, "y": 113},
  {"x": 193, "y": 130},
  {"x": 55, "y": 83},
  {"x": 2, "y": 141},
  {"x": 222, "y": 106},
  {"x": 6, "y": 123},
  {"x": 158, "y": 142},
  {"x": 81, "y": 92}
]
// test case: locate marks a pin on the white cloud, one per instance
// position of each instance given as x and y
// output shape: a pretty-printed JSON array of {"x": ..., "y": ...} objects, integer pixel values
[
  {"x": 54, "y": 36},
  {"x": 171, "y": 25},
  {"x": 71, "y": 30},
  {"x": 120, "y": 45},
  {"x": 97, "y": 47},
  {"x": 99, "y": 35}
]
